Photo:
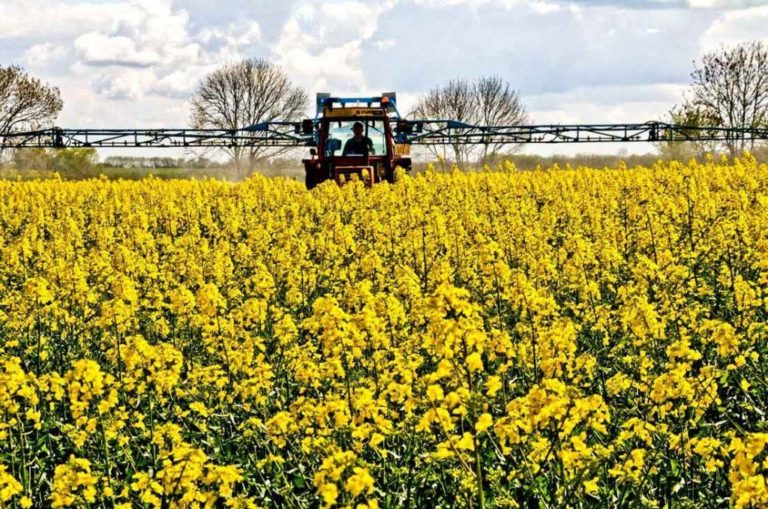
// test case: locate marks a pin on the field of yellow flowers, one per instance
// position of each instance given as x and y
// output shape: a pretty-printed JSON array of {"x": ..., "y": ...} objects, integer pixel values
[{"x": 564, "y": 337}]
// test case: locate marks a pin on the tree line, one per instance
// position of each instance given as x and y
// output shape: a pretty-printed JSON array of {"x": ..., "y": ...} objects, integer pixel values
[
  {"x": 729, "y": 88},
  {"x": 160, "y": 162}
]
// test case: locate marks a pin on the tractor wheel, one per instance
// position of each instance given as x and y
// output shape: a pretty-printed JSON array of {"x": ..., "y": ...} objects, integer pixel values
[{"x": 310, "y": 180}]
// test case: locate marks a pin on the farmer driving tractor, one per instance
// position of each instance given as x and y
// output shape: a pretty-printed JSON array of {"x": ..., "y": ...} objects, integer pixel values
[{"x": 358, "y": 144}]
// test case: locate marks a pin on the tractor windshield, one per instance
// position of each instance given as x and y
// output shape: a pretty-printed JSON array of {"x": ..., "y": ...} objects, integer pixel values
[{"x": 341, "y": 130}]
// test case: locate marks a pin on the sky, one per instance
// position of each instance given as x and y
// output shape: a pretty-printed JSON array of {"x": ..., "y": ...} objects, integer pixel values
[{"x": 135, "y": 63}]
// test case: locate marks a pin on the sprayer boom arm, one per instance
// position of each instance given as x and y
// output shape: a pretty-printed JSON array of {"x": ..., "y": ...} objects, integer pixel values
[
  {"x": 450, "y": 132},
  {"x": 415, "y": 132},
  {"x": 275, "y": 134}
]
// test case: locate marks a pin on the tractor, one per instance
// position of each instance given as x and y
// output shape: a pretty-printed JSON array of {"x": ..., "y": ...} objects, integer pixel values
[{"x": 332, "y": 128}]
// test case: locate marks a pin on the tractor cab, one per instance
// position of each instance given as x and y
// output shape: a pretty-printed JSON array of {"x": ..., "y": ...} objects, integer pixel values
[{"x": 370, "y": 155}]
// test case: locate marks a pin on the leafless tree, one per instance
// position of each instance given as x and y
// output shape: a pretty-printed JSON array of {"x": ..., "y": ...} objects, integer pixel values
[
  {"x": 489, "y": 101},
  {"x": 242, "y": 94},
  {"x": 26, "y": 103},
  {"x": 730, "y": 88}
]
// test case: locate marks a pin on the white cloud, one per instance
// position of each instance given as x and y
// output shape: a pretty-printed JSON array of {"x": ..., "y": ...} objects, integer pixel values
[
  {"x": 538, "y": 6},
  {"x": 152, "y": 49},
  {"x": 232, "y": 39},
  {"x": 150, "y": 34},
  {"x": 384, "y": 44},
  {"x": 105, "y": 56},
  {"x": 179, "y": 84},
  {"x": 45, "y": 54},
  {"x": 99, "y": 49},
  {"x": 320, "y": 44},
  {"x": 545, "y": 7},
  {"x": 55, "y": 20},
  {"x": 124, "y": 85},
  {"x": 724, "y": 4},
  {"x": 733, "y": 27}
]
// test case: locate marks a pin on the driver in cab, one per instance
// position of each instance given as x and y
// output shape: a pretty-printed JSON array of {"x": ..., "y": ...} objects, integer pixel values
[{"x": 358, "y": 144}]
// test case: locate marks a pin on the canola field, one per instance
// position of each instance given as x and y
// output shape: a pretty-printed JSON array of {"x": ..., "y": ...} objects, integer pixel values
[{"x": 564, "y": 337}]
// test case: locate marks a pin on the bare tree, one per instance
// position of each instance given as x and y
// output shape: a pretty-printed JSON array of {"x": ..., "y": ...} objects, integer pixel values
[
  {"x": 488, "y": 101},
  {"x": 242, "y": 94},
  {"x": 499, "y": 105},
  {"x": 26, "y": 103},
  {"x": 730, "y": 88},
  {"x": 454, "y": 101}
]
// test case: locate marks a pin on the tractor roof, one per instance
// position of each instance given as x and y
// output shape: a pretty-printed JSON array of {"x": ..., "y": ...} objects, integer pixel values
[
  {"x": 355, "y": 112},
  {"x": 383, "y": 104}
]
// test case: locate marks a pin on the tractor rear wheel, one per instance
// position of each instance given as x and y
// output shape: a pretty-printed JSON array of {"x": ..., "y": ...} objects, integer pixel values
[{"x": 310, "y": 180}]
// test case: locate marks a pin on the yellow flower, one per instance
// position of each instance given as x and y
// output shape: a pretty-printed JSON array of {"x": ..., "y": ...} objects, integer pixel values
[
  {"x": 199, "y": 408},
  {"x": 590, "y": 485},
  {"x": 474, "y": 362},
  {"x": 376, "y": 440},
  {"x": 9, "y": 486},
  {"x": 745, "y": 385},
  {"x": 466, "y": 443},
  {"x": 329, "y": 494},
  {"x": 359, "y": 482},
  {"x": 484, "y": 422},
  {"x": 73, "y": 483},
  {"x": 493, "y": 385},
  {"x": 435, "y": 393}
]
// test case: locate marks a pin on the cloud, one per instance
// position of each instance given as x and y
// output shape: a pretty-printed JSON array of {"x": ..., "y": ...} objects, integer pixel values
[
  {"x": 130, "y": 53},
  {"x": 45, "y": 54},
  {"x": 56, "y": 20},
  {"x": 548, "y": 6},
  {"x": 536, "y": 53},
  {"x": 733, "y": 27},
  {"x": 153, "y": 49},
  {"x": 232, "y": 38},
  {"x": 98, "y": 49},
  {"x": 321, "y": 43},
  {"x": 648, "y": 4},
  {"x": 383, "y": 44},
  {"x": 126, "y": 85},
  {"x": 541, "y": 6},
  {"x": 150, "y": 34},
  {"x": 725, "y": 4},
  {"x": 179, "y": 84},
  {"x": 123, "y": 50}
]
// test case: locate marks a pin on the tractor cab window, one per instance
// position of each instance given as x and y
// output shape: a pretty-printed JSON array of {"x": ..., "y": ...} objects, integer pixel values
[{"x": 342, "y": 131}]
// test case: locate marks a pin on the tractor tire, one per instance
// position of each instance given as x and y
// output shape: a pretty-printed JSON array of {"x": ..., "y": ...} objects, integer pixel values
[{"x": 310, "y": 180}]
